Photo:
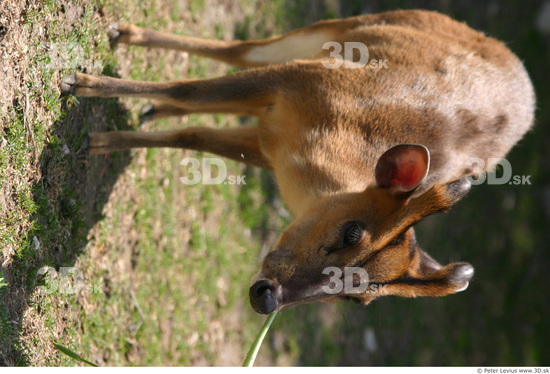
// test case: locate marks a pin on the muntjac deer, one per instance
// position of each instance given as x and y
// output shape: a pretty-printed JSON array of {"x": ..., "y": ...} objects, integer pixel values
[{"x": 360, "y": 153}]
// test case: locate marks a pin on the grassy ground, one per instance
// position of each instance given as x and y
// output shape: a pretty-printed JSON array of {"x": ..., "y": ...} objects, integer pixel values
[
  {"x": 166, "y": 266},
  {"x": 165, "y": 271}
]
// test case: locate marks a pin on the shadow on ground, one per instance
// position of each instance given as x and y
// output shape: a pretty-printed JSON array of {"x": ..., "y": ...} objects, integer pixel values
[{"x": 70, "y": 197}]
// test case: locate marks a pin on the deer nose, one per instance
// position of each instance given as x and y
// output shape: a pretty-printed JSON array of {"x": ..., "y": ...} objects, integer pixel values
[{"x": 263, "y": 296}]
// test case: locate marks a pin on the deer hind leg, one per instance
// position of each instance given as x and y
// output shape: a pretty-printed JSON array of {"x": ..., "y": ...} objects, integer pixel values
[
  {"x": 158, "y": 109},
  {"x": 304, "y": 43},
  {"x": 240, "y": 144},
  {"x": 243, "y": 93}
]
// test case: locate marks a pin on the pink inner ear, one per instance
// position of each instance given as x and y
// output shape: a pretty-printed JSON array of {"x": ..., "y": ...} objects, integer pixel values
[
  {"x": 402, "y": 168},
  {"x": 407, "y": 174}
]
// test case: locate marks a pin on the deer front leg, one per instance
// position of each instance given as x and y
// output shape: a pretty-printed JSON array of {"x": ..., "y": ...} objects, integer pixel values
[{"x": 239, "y": 144}]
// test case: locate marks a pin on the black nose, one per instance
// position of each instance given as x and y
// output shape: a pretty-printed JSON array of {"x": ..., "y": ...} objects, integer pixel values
[{"x": 263, "y": 296}]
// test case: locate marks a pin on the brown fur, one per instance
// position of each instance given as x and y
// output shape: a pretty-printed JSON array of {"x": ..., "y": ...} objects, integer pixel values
[{"x": 322, "y": 131}]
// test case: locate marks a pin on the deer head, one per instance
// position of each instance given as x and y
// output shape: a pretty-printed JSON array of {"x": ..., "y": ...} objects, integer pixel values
[{"x": 359, "y": 246}]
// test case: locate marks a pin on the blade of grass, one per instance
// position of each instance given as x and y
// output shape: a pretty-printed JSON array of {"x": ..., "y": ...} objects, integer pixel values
[
  {"x": 72, "y": 354},
  {"x": 251, "y": 356}
]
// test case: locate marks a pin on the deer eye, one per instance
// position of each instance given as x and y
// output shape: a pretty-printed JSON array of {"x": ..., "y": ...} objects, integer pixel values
[{"x": 352, "y": 234}]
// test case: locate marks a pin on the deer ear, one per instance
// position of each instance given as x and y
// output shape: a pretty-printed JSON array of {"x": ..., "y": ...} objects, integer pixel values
[{"x": 401, "y": 169}]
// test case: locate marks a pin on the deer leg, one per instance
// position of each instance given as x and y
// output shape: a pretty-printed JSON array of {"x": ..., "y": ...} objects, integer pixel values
[
  {"x": 239, "y": 144},
  {"x": 158, "y": 110},
  {"x": 304, "y": 43},
  {"x": 243, "y": 93}
]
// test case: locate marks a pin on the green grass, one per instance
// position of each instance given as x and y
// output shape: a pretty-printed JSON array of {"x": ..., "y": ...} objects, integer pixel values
[
  {"x": 45, "y": 223},
  {"x": 5, "y": 327},
  {"x": 58, "y": 218}
]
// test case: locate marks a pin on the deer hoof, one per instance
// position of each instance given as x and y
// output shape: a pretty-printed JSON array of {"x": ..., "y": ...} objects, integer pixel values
[
  {"x": 85, "y": 143},
  {"x": 147, "y": 113},
  {"x": 114, "y": 33},
  {"x": 68, "y": 86}
]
